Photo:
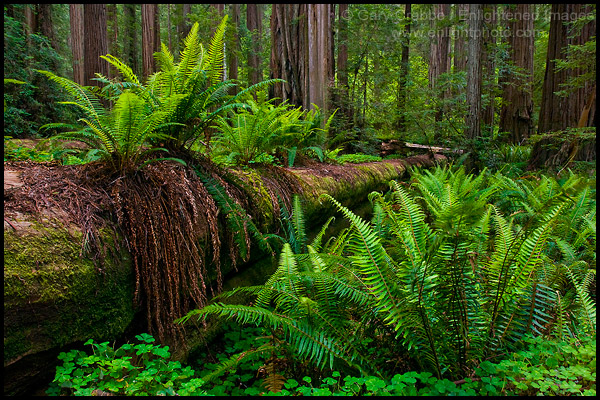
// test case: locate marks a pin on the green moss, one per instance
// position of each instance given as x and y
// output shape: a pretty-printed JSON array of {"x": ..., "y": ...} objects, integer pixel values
[
  {"x": 259, "y": 194},
  {"x": 54, "y": 296}
]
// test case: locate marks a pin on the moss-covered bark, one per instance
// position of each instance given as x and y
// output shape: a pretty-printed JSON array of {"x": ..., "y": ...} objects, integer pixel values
[{"x": 54, "y": 296}]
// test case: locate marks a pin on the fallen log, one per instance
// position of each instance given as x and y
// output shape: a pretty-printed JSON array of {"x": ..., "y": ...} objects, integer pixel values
[
  {"x": 402, "y": 148},
  {"x": 56, "y": 297}
]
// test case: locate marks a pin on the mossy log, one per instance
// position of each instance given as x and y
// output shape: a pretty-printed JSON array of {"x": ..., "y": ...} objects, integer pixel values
[{"x": 55, "y": 297}]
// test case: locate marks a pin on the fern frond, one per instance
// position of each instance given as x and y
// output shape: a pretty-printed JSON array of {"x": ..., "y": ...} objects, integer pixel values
[
  {"x": 371, "y": 260},
  {"x": 215, "y": 55}
]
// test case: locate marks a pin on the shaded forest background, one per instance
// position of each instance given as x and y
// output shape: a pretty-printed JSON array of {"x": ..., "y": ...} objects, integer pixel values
[{"x": 452, "y": 75}]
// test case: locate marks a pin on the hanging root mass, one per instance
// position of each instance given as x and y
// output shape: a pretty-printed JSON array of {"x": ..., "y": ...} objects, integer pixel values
[
  {"x": 167, "y": 214},
  {"x": 168, "y": 217}
]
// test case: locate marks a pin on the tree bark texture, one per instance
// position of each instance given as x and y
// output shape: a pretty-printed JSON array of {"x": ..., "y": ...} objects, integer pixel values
[
  {"x": 473, "y": 120},
  {"x": 45, "y": 24},
  {"x": 131, "y": 38},
  {"x": 113, "y": 35},
  {"x": 95, "y": 41},
  {"x": 76, "y": 23},
  {"x": 232, "y": 50},
  {"x": 150, "y": 38},
  {"x": 517, "y": 102},
  {"x": 300, "y": 53},
  {"x": 404, "y": 70},
  {"x": 560, "y": 112},
  {"x": 342, "y": 61},
  {"x": 254, "y": 14},
  {"x": 489, "y": 66},
  {"x": 460, "y": 48},
  {"x": 440, "y": 45},
  {"x": 289, "y": 52},
  {"x": 439, "y": 62}
]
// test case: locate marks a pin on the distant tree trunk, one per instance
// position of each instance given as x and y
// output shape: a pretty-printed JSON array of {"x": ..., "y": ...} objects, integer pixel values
[
  {"x": 113, "y": 35},
  {"x": 150, "y": 38},
  {"x": 517, "y": 101},
  {"x": 254, "y": 13},
  {"x": 319, "y": 54},
  {"x": 460, "y": 52},
  {"x": 559, "y": 112},
  {"x": 45, "y": 23},
  {"x": 403, "y": 79},
  {"x": 183, "y": 26},
  {"x": 77, "y": 35},
  {"x": 232, "y": 58},
  {"x": 439, "y": 52},
  {"x": 289, "y": 53},
  {"x": 95, "y": 42},
  {"x": 331, "y": 47},
  {"x": 488, "y": 65},
  {"x": 130, "y": 38},
  {"x": 169, "y": 41},
  {"x": 342, "y": 60},
  {"x": 301, "y": 53},
  {"x": 577, "y": 109},
  {"x": 473, "y": 120}
]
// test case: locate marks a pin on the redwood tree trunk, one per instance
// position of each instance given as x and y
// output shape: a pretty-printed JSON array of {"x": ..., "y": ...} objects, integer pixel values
[
  {"x": 342, "y": 61},
  {"x": 460, "y": 49},
  {"x": 232, "y": 59},
  {"x": 559, "y": 112},
  {"x": 439, "y": 51},
  {"x": 95, "y": 41},
  {"x": 46, "y": 26},
  {"x": 113, "y": 35},
  {"x": 517, "y": 102},
  {"x": 473, "y": 120},
  {"x": 131, "y": 38},
  {"x": 489, "y": 66},
  {"x": 150, "y": 38},
  {"x": 76, "y": 23},
  {"x": 254, "y": 15},
  {"x": 183, "y": 26},
  {"x": 401, "y": 122},
  {"x": 577, "y": 109},
  {"x": 289, "y": 52}
]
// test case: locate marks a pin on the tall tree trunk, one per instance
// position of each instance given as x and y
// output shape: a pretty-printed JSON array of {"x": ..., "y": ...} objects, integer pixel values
[
  {"x": 150, "y": 38},
  {"x": 342, "y": 61},
  {"x": 95, "y": 42},
  {"x": 404, "y": 68},
  {"x": 439, "y": 51},
  {"x": 300, "y": 53},
  {"x": 232, "y": 58},
  {"x": 183, "y": 26},
  {"x": 460, "y": 52},
  {"x": 131, "y": 38},
  {"x": 319, "y": 54},
  {"x": 560, "y": 112},
  {"x": 517, "y": 101},
  {"x": 577, "y": 108},
  {"x": 45, "y": 23},
  {"x": 289, "y": 53},
  {"x": 473, "y": 120},
  {"x": 220, "y": 12},
  {"x": 254, "y": 13},
  {"x": 489, "y": 65},
  {"x": 113, "y": 35},
  {"x": 77, "y": 35}
]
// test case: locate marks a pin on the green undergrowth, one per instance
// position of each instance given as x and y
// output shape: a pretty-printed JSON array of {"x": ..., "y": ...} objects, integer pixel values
[{"x": 541, "y": 367}]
